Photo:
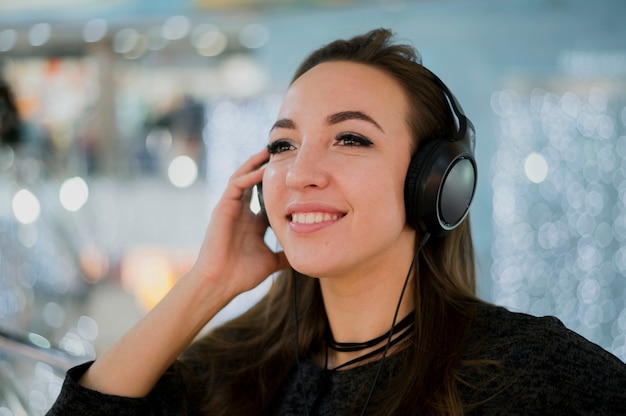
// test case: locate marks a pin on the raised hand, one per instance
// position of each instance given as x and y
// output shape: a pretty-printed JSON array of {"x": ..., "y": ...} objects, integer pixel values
[
  {"x": 233, "y": 259},
  {"x": 234, "y": 252}
]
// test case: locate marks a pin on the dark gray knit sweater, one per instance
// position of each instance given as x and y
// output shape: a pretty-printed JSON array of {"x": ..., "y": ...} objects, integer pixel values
[{"x": 545, "y": 369}]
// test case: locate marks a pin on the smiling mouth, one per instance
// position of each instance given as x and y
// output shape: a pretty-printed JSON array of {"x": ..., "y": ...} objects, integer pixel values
[{"x": 314, "y": 217}]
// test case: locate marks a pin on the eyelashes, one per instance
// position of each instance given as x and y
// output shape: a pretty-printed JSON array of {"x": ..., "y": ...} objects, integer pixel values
[
  {"x": 352, "y": 139},
  {"x": 279, "y": 146},
  {"x": 342, "y": 139}
]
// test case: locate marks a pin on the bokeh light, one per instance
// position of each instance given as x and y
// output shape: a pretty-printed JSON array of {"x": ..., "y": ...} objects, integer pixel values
[
  {"x": 559, "y": 209},
  {"x": 95, "y": 30},
  {"x": 26, "y": 206},
  {"x": 8, "y": 37},
  {"x": 39, "y": 34},
  {"x": 175, "y": 27},
  {"x": 536, "y": 168},
  {"x": 126, "y": 40},
  {"x": 74, "y": 193},
  {"x": 182, "y": 171},
  {"x": 254, "y": 36},
  {"x": 209, "y": 41}
]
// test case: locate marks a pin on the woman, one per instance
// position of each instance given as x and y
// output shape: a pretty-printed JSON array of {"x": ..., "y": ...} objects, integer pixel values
[{"x": 371, "y": 315}]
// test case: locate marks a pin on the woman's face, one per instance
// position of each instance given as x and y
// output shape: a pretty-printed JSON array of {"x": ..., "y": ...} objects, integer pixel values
[{"x": 334, "y": 185}]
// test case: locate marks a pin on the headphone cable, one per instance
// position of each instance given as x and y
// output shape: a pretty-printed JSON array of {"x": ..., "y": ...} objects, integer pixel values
[
  {"x": 297, "y": 349},
  {"x": 393, "y": 323}
]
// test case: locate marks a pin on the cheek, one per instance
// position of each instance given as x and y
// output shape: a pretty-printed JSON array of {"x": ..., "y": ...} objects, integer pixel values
[
  {"x": 398, "y": 194},
  {"x": 383, "y": 194}
]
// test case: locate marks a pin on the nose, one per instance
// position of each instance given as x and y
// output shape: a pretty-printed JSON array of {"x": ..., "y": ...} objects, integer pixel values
[{"x": 307, "y": 169}]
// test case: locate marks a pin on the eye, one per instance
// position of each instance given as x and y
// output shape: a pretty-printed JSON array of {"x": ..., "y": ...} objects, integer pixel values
[
  {"x": 279, "y": 146},
  {"x": 352, "y": 139}
]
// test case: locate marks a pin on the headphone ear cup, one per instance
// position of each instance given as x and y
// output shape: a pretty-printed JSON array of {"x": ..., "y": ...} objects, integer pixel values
[
  {"x": 412, "y": 183},
  {"x": 439, "y": 187}
]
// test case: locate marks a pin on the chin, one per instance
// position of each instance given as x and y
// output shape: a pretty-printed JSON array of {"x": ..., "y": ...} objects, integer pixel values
[{"x": 309, "y": 267}]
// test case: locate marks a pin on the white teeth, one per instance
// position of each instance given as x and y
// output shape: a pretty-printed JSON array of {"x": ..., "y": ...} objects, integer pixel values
[{"x": 313, "y": 217}]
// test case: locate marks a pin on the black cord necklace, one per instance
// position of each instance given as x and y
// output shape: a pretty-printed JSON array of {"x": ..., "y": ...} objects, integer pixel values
[
  {"x": 360, "y": 346},
  {"x": 404, "y": 328}
]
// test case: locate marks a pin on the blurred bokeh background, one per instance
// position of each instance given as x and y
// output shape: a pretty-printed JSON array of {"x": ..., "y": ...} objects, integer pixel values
[{"x": 121, "y": 120}]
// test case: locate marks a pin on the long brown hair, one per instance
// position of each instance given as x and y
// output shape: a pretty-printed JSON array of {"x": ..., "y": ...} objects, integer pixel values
[{"x": 243, "y": 363}]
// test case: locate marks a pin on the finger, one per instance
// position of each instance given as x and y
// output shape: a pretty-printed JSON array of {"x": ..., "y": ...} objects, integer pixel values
[
  {"x": 237, "y": 187},
  {"x": 247, "y": 175}
]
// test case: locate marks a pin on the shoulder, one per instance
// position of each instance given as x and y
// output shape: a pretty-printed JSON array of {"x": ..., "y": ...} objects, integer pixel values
[
  {"x": 498, "y": 328},
  {"x": 527, "y": 339},
  {"x": 538, "y": 362},
  {"x": 497, "y": 317},
  {"x": 504, "y": 330}
]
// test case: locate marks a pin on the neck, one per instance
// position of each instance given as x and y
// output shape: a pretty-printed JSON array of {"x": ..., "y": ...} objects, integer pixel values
[{"x": 363, "y": 308}]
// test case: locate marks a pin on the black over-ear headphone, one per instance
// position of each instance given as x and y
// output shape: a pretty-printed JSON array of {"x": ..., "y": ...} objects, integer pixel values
[{"x": 441, "y": 179}]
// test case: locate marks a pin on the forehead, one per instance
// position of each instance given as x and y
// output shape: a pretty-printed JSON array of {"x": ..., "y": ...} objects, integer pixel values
[{"x": 340, "y": 86}]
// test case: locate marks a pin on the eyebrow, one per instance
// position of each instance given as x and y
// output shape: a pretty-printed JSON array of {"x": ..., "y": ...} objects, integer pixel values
[
  {"x": 351, "y": 115},
  {"x": 284, "y": 123},
  {"x": 287, "y": 123}
]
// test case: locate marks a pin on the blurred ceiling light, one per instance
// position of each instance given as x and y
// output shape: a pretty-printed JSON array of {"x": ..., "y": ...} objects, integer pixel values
[
  {"x": 39, "y": 34},
  {"x": 38, "y": 340},
  {"x": 208, "y": 40},
  {"x": 141, "y": 45},
  {"x": 200, "y": 30},
  {"x": 72, "y": 344},
  {"x": 125, "y": 40},
  {"x": 26, "y": 206},
  {"x": 8, "y": 37},
  {"x": 74, "y": 193},
  {"x": 156, "y": 41},
  {"x": 87, "y": 328},
  {"x": 182, "y": 171},
  {"x": 254, "y": 36},
  {"x": 159, "y": 141},
  {"x": 7, "y": 157},
  {"x": 95, "y": 30},
  {"x": 242, "y": 76},
  {"x": 175, "y": 27}
]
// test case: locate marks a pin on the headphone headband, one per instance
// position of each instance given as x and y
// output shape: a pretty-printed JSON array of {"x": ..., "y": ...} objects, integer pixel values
[{"x": 465, "y": 131}]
